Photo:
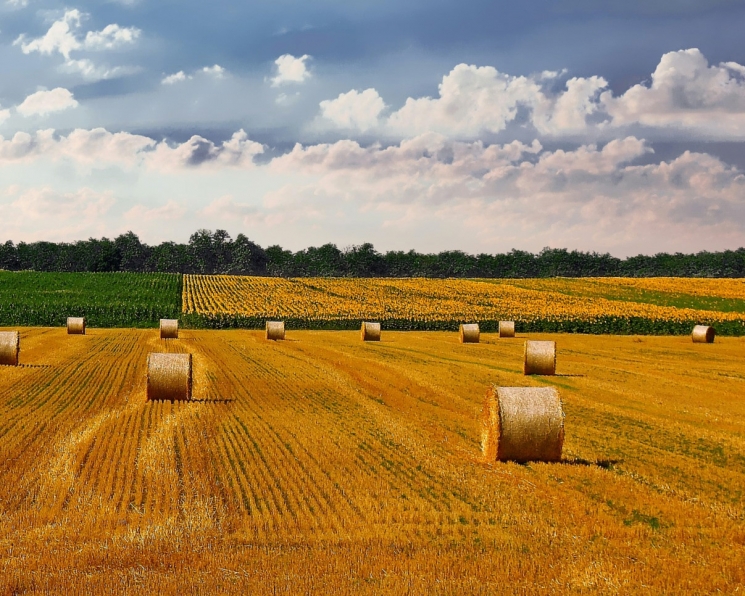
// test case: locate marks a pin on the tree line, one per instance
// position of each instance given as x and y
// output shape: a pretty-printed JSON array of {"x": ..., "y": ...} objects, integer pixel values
[{"x": 216, "y": 252}]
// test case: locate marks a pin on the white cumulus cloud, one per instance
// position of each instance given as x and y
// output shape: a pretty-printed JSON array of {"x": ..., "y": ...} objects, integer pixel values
[
  {"x": 687, "y": 97},
  {"x": 45, "y": 102},
  {"x": 216, "y": 71},
  {"x": 291, "y": 70},
  {"x": 354, "y": 110},
  {"x": 686, "y": 92},
  {"x": 63, "y": 37},
  {"x": 176, "y": 77}
]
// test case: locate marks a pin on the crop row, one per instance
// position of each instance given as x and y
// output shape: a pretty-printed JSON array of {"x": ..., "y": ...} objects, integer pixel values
[{"x": 430, "y": 304}]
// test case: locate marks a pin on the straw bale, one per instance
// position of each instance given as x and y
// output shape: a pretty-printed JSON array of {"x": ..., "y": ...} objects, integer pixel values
[
  {"x": 469, "y": 333},
  {"x": 168, "y": 377},
  {"x": 506, "y": 328},
  {"x": 275, "y": 330},
  {"x": 169, "y": 329},
  {"x": 10, "y": 345},
  {"x": 540, "y": 358},
  {"x": 370, "y": 331},
  {"x": 522, "y": 424},
  {"x": 76, "y": 325},
  {"x": 703, "y": 334}
]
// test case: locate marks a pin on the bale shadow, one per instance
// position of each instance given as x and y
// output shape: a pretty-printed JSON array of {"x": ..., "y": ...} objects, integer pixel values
[
  {"x": 35, "y": 366},
  {"x": 212, "y": 401},
  {"x": 606, "y": 464},
  {"x": 566, "y": 375}
]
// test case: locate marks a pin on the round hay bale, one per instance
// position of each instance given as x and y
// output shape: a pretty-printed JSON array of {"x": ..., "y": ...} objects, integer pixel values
[
  {"x": 703, "y": 334},
  {"x": 522, "y": 424},
  {"x": 540, "y": 358},
  {"x": 169, "y": 329},
  {"x": 469, "y": 333},
  {"x": 168, "y": 377},
  {"x": 370, "y": 331},
  {"x": 275, "y": 330},
  {"x": 506, "y": 328},
  {"x": 10, "y": 345},
  {"x": 75, "y": 325}
]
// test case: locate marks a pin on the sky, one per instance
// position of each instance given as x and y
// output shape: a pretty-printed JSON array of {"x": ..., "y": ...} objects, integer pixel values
[{"x": 477, "y": 125}]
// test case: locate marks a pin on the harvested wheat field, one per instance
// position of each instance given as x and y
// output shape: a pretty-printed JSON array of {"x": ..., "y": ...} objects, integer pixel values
[{"x": 329, "y": 465}]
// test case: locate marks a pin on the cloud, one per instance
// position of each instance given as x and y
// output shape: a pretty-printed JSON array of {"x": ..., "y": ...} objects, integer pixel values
[
  {"x": 216, "y": 71},
  {"x": 59, "y": 38},
  {"x": 110, "y": 37},
  {"x": 226, "y": 207},
  {"x": 86, "y": 147},
  {"x": 354, "y": 110},
  {"x": 596, "y": 198},
  {"x": 99, "y": 147},
  {"x": 199, "y": 152},
  {"x": 687, "y": 98},
  {"x": 45, "y": 203},
  {"x": 472, "y": 100},
  {"x": 168, "y": 212},
  {"x": 45, "y": 102},
  {"x": 95, "y": 72},
  {"x": 686, "y": 93},
  {"x": 291, "y": 70},
  {"x": 4, "y": 115},
  {"x": 62, "y": 38},
  {"x": 176, "y": 77},
  {"x": 428, "y": 189}
]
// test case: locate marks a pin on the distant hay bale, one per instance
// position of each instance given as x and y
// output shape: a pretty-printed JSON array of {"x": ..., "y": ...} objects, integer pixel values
[
  {"x": 469, "y": 333},
  {"x": 506, "y": 328},
  {"x": 169, "y": 329},
  {"x": 275, "y": 330},
  {"x": 522, "y": 424},
  {"x": 10, "y": 345},
  {"x": 540, "y": 358},
  {"x": 168, "y": 377},
  {"x": 75, "y": 325},
  {"x": 370, "y": 331},
  {"x": 703, "y": 334}
]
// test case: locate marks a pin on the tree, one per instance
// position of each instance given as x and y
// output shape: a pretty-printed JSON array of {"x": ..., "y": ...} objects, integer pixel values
[{"x": 133, "y": 255}]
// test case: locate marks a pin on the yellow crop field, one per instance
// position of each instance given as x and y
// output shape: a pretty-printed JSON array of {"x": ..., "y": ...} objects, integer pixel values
[
  {"x": 595, "y": 305},
  {"x": 322, "y": 464}
]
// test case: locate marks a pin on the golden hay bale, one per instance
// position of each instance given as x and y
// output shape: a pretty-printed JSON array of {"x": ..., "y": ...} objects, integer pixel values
[
  {"x": 522, "y": 424},
  {"x": 275, "y": 330},
  {"x": 540, "y": 358},
  {"x": 506, "y": 328},
  {"x": 169, "y": 329},
  {"x": 75, "y": 325},
  {"x": 469, "y": 333},
  {"x": 168, "y": 376},
  {"x": 10, "y": 345},
  {"x": 370, "y": 331},
  {"x": 703, "y": 334}
]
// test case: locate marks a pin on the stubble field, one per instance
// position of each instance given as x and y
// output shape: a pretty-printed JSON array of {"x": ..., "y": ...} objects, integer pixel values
[{"x": 324, "y": 464}]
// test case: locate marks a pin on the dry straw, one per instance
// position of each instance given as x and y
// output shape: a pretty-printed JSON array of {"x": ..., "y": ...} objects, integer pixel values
[
  {"x": 540, "y": 358},
  {"x": 10, "y": 345},
  {"x": 506, "y": 328},
  {"x": 703, "y": 334},
  {"x": 469, "y": 333},
  {"x": 522, "y": 424},
  {"x": 370, "y": 331},
  {"x": 275, "y": 330},
  {"x": 168, "y": 377},
  {"x": 169, "y": 329},
  {"x": 75, "y": 325}
]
